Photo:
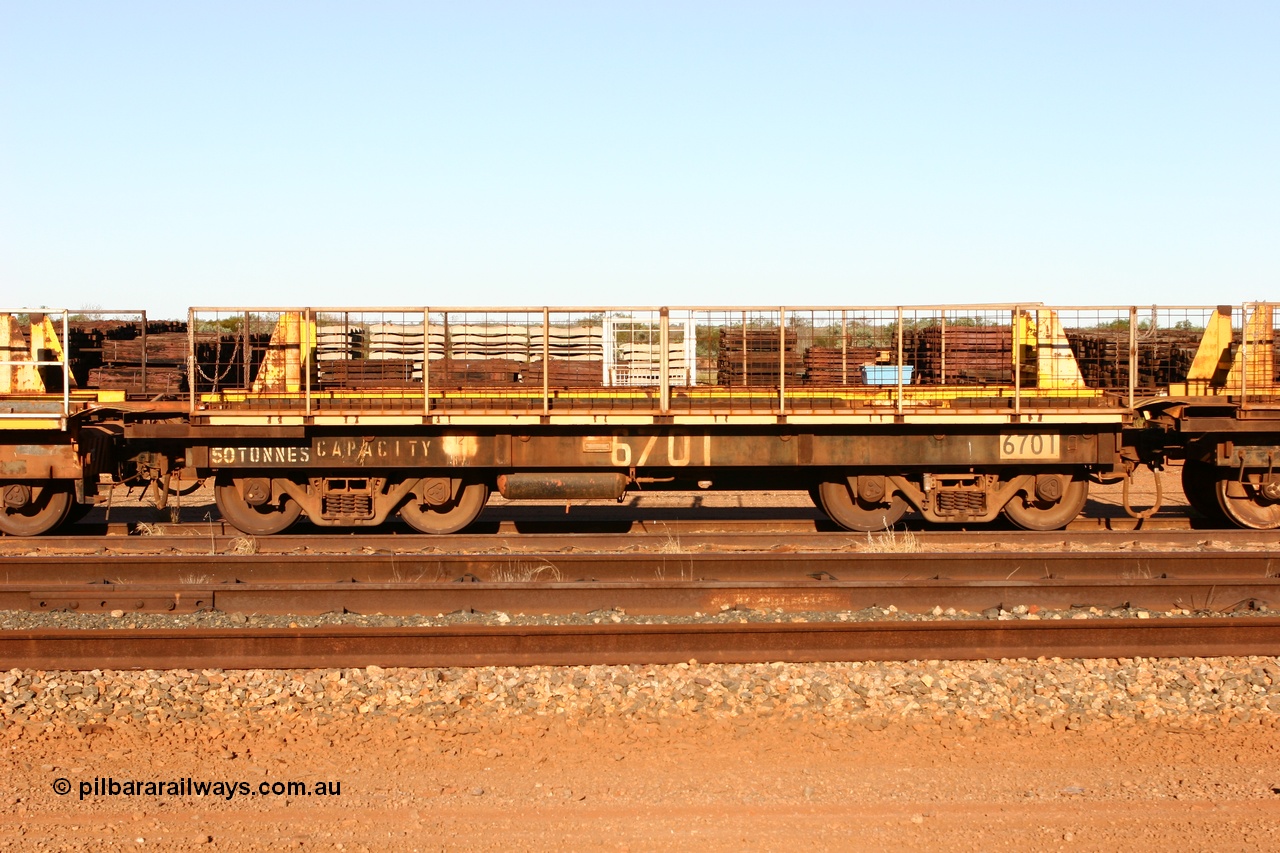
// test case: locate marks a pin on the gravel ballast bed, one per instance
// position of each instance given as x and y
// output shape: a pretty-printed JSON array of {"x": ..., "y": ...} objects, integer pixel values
[
  {"x": 1063, "y": 694},
  {"x": 1056, "y": 693}
]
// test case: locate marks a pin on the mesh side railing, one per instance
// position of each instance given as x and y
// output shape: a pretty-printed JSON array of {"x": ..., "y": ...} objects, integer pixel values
[
  {"x": 761, "y": 359},
  {"x": 1254, "y": 369}
]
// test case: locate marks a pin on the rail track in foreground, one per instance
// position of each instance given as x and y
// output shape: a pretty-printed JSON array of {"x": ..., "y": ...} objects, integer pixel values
[
  {"x": 86, "y": 576},
  {"x": 1236, "y": 583},
  {"x": 670, "y": 598},
  {"x": 471, "y": 645}
]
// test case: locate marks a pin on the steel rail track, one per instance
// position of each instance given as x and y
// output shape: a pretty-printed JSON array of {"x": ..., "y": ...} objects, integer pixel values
[
  {"x": 199, "y": 570},
  {"x": 667, "y": 598},
  {"x": 632, "y": 644}
]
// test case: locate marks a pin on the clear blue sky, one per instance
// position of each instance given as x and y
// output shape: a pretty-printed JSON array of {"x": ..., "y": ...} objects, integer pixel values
[{"x": 161, "y": 154}]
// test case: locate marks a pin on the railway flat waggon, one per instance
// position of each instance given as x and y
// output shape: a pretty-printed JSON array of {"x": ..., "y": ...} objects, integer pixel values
[{"x": 351, "y": 416}]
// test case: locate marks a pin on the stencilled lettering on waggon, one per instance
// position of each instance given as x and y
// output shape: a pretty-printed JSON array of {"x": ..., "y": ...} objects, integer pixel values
[
  {"x": 231, "y": 456},
  {"x": 342, "y": 450},
  {"x": 365, "y": 450}
]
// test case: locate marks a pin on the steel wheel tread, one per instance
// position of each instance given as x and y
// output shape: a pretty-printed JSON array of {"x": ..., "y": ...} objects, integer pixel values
[
  {"x": 449, "y": 518},
  {"x": 1251, "y": 510},
  {"x": 40, "y": 516},
  {"x": 853, "y": 513},
  {"x": 254, "y": 520},
  {"x": 1030, "y": 513}
]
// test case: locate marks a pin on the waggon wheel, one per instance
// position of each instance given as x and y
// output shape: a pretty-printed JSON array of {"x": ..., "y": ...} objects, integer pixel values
[
  {"x": 30, "y": 510},
  {"x": 1034, "y": 512},
  {"x": 450, "y": 516},
  {"x": 1250, "y": 503},
  {"x": 246, "y": 503},
  {"x": 1199, "y": 481},
  {"x": 854, "y": 513}
]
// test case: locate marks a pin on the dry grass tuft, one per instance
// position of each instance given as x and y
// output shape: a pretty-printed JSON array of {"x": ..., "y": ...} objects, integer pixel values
[
  {"x": 526, "y": 573},
  {"x": 889, "y": 541},
  {"x": 243, "y": 546}
]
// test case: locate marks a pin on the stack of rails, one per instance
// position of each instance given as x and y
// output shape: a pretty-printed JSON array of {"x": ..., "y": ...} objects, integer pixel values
[
  {"x": 972, "y": 354},
  {"x": 831, "y": 366},
  {"x": 752, "y": 357},
  {"x": 159, "y": 380},
  {"x": 476, "y": 372},
  {"x": 1164, "y": 356},
  {"x": 169, "y": 347},
  {"x": 562, "y": 373},
  {"x": 100, "y": 330},
  {"x": 120, "y": 357},
  {"x": 576, "y": 356},
  {"x": 369, "y": 373},
  {"x": 87, "y": 339}
]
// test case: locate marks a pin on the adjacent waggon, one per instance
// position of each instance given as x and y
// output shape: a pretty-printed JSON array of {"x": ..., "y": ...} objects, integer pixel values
[{"x": 353, "y": 416}]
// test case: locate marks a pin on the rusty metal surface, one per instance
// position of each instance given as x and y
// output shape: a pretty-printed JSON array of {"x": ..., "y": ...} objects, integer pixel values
[
  {"x": 689, "y": 450},
  {"x": 633, "y": 644},
  {"x": 32, "y": 457},
  {"x": 575, "y": 485},
  {"x": 201, "y": 570},
  {"x": 652, "y": 598}
]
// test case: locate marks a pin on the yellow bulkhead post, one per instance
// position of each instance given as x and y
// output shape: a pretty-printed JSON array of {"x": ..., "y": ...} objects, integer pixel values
[
  {"x": 1024, "y": 346},
  {"x": 292, "y": 342},
  {"x": 1212, "y": 360},
  {"x": 1056, "y": 366},
  {"x": 45, "y": 337},
  {"x": 19, "y": 378},
  {"x": 1257, "y": 358}
]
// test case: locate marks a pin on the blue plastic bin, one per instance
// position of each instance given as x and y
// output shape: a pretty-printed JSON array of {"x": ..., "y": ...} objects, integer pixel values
[{"x": 886, "y": 374}]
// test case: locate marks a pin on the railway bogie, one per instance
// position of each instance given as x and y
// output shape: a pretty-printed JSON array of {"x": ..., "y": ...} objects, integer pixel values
[
  {"x": 1231, "y": 476},
  {"x": 354, "y": 417}
]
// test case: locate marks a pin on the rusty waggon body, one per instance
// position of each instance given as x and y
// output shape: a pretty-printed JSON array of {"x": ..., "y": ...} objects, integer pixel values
[{"x": 353, "y": 416}]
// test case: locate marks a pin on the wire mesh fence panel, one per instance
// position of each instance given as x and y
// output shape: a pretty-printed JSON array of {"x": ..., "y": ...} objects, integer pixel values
[
  {"x": 1120, "y": 348},
  {"x": 483, "y": 349},
  {"x": 1098, "y": 341},
  {"x": 829, "y": 356},
  {"x": 736, "y": 359},
  {"x": 230, "y": 348},
  {"x": 358, "y": 350},
  {"x": 958, "y": 346},
  {"x": 125, "y": 351},
  {"x": 1253, "y": 370},
  {"x": 634, "y": 344},
  {"x": 739, "y": 360}
]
